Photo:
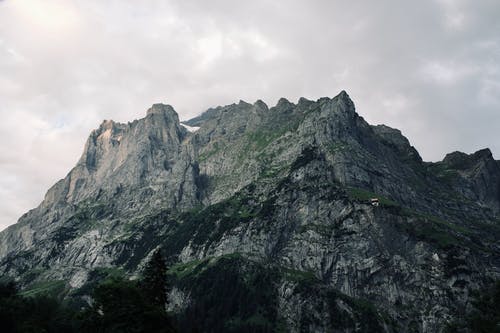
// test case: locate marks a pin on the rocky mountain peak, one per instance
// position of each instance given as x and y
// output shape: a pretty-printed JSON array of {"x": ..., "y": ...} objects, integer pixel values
[
  {"x": 303, "y": 102},
  {"x": 461, "y": 161},
  {"x": 391, "y": 134},
  {"x": 341, "y": 105},
  {"x": 160, "y": 108},
  {"x": 343, "y": 95},
  {"x": 118, "y": 155},
  {"x": 242, "y": 103},
  {"x": 107, "y": 124},
  {"x": 284, "y": 104},
  {"x": 261, "y": 105},
  {"x": 395, "y": 138},
  {"x": 484, "y": 153},
  {"x": 478, "y": 176},
  {"x": 344, "y": 102}
]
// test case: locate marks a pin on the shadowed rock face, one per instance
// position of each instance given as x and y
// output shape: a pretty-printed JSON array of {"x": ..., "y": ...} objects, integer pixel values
[
  {"x": 477, "y": 177},
  {"x": 282, "y": 193}
]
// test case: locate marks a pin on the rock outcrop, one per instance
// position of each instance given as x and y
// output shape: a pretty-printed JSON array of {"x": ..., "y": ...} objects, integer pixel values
[{"x": 272, "y": 204}]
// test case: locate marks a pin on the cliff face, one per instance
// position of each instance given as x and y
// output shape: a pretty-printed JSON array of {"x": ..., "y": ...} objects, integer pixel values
[
  {"x": 272, "y": 203},
  {"x": 124, "y": 171}
]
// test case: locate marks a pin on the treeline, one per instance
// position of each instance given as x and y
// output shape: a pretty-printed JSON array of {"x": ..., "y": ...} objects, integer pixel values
[{"x": 118, "y": 305}]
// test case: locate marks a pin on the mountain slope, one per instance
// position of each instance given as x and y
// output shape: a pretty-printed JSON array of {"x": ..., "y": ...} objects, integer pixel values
[{"x": 273, "y": 204}]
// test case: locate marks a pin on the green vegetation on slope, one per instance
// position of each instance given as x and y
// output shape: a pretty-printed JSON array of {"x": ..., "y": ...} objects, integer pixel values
[
  {"x": 436, "y": 231},
  {"x": 208, "y": 225},
  {"x": 52, "y": 288},
  {"x": 229, "y": 294},
  {"x": 360, "y": 194}
]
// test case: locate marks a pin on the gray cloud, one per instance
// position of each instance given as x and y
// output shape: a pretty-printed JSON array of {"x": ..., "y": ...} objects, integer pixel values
[{"x": 430, "y": 68}]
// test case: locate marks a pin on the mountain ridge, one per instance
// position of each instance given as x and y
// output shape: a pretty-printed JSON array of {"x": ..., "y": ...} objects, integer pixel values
[{"x": 278, "y": 190}]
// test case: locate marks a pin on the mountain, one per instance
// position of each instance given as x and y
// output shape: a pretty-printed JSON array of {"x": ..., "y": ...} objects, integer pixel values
[{"x": 266, "y": 217}]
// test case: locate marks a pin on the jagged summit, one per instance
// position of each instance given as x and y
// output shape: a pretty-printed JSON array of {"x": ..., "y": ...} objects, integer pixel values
[
  {"x": 107, "y": 123},
  {"x": 283, "y": 105},
  {"x": 459, "y": 159},
  {"x": 304, "y": 101},
  {"x": 281, "y": 197},
  {"x": 160, "y": 108},
  {"x": 261, "y": 105},
  {"x": 243, "y": 103},
  {"x": 344, "y": 95}
]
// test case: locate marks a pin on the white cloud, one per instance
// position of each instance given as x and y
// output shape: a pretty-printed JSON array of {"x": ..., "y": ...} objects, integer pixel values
[
  {"x": 453, "y": 14},
  {"x": 489, "y": 93},
  {"x": 447, "y": 73}
]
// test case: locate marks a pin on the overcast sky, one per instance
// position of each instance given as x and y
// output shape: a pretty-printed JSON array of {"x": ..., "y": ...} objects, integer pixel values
[{"x": 430, "y": 68}]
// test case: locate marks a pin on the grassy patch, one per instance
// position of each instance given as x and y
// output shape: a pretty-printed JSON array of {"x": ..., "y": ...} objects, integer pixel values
[
  {"x": 195, "y": 267},
  {"x": 359, "y": 194},
  {"x": 298, "y": 276},
  {"x": 97, "y": 276},
  {"x": 182, "y": 270},
  {"x": 48, "y": 288},
  {"x": 259, "y": 140},
  {"x": 337, "y": 147},
  {"x": 273, "y": 172},
  {"x": 443, "y": 172},
  {"x": 109, "y": 273},
  {"x": 436, "y": 235},
  {"x": 443, "y": 223},
  {"x": 206, "y": 226},
  {"x": 207, "y": 154},
  {"x": 434, "y": 230}
]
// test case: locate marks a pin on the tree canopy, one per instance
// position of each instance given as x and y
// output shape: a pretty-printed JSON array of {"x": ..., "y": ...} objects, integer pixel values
[{"x": 118, "y": 305}]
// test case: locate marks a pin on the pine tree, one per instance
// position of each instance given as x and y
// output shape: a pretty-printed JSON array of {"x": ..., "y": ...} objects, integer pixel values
[{"x": 154, "y": 281}]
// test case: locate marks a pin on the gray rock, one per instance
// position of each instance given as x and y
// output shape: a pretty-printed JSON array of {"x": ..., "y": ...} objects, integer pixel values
[{"x": 287, "y": 187}]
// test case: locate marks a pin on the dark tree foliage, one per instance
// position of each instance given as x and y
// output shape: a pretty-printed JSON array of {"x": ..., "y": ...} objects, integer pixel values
[
  {"x": 8, "y": 289},
  {"x": 120, "y": 306},
  {"x": 229, "y": 300},
  {"x": 34, "y": 314},
  {"x": 485, "y": 316},
  {"x": 154, "y": 280}
]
